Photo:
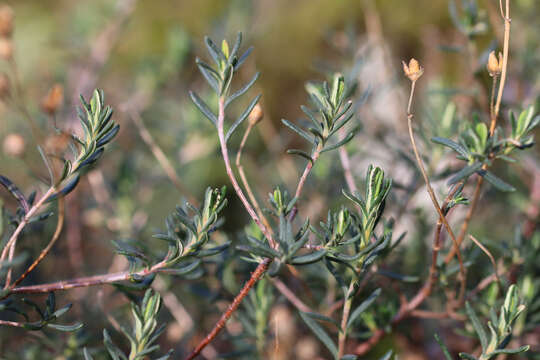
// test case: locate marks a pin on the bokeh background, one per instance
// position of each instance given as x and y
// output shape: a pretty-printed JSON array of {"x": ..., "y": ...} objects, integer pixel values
[{"x": 142, "y": 53}]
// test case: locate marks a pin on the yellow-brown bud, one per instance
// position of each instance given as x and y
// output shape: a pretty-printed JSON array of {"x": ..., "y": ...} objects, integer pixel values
[
  {"x": 6, "y": 49},
  {"x": 413, "y": 70},
  {"x": 52, "y": 101},
  {"x": 4, "y": 86},
  {"x": 6, "y": 21},
  {"x": 255, "y": 115},
  {"x": 14, "y": 145},
  {"x": 494, "y": 65}
]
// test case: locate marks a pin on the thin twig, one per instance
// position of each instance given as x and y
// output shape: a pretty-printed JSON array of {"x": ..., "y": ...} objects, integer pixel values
[
  {"x": 88, "y": 281},
  {"x": 45, "y": 251},
  {"x": 307, "y": 170},
  {"x": 244, "y": 180},
  {"x": 433, "y": 196},
  {"x": 290, "y": 295},
  {"x": 255, "y": 276},
  {"x": 489, "y": 255},
  {"x": 494, "y": 117},
  {"x": 342, "y": 337},
  {"x": 13, "y": 239},
  {"x": 11, "y": 323}
]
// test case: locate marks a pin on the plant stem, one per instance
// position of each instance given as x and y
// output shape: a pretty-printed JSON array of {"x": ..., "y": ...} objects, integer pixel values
[
  {"x": 86, "y": 281},
  {"x": 10, "y": 245},
  {"x": 506, "y": 45},
  {"x": 342, "y": 338},
  {"x": 244, "y": 180},
  {"x": 462, "y": 274},
  {"x": 290, "y": 295},
  {"x": 45, "y": 251},
  {"x": 307, "y": 170},
  {"x": 255, "y": 276},
  {"x": 230, "y": 173}
]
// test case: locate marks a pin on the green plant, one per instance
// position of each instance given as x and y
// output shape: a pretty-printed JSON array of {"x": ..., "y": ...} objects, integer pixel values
[{"x": 355, "y": 275}]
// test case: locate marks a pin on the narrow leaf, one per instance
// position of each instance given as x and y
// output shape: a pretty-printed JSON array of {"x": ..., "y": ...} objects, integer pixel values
[
  {"x": 498, "y": 183},
  {"x": 203, "y": 107},
  {"x": 320, "y": 333}
]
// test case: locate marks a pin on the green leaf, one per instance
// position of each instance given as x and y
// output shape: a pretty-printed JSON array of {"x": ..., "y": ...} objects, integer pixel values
[
  {"x": 363, "y": 306},
  {"x": 299, "y": 131},
  {"x": 465, "y": 173},
  {"x": 320, "y": 333},
  {"x": 519, "y": 350},
  {"x": 467, "y": 356},
  {"x": 444, "y": 349},
  {"x": 212, "y": 77},
  {"x": 66, "y": 328},
  {"x": 342, "y": 142},
  {"x": 452, "y": 145},
  {"x": 480, "y": 331},
  {"x": 308, "y": 258},
  {"x": 87, "y": 355},
  {"x": 242, "y": 117},
  {"x": 214, "y": 51},
  {"x": 300, "y": 153},
  {"x": 242, "y": 90},
  {"x": 498, "y": 183},
  {"x": 201, "y": 105}
]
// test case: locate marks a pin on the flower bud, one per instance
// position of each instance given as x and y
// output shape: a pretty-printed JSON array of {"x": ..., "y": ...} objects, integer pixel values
[
  {"x": 413, "y": 70},
  {"x": 255, "y": 115},
  {"x": 494, "y": 66},
  {"x": 14, "y": 145},
  {"x": 6, "y": 49},
  {"x": 6, "y": 21},
  {"x": 52, "y": 101}
]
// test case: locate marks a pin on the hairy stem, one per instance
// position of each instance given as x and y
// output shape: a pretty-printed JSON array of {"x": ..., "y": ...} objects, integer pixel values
[{"x": 255, "y": 276}]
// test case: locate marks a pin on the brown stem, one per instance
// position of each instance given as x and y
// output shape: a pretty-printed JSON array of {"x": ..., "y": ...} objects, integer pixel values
[
  {"x": 489, "y": 255},
  {"x": 10, "y": 245},
  {"x": 291, "y": 296},
  {"x": 307, "y": 170},
  {"x": 255, "y": 276},
  {"x": 45, "y": 251},
  {"x": 11, "y": 323},
  {"x": 244, "y": 180},
  {"x": 342, "y": 338},
  {"x": 86, "y": 281},
  {"x": 462, "y": 274},
  {"x": 494, "y": 117},
  {"x": 230, "y": 173}
]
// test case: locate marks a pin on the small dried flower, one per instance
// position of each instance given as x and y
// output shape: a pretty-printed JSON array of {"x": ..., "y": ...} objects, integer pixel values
[
  {"x": 413, "y": 70},
  {"x": 6, "y": 49},
  {"x": 14, "y": 145},
  {"x": 6, "y": 21},
  {"x": 54, "y": 98},
  {"x": 494, "y": 66},
  {"x": 4, "y": 86},
  {"x": 255, "y": 115}
]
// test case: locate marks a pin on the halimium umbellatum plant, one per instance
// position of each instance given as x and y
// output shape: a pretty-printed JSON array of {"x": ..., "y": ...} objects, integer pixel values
[{"x": 359, "y": 242}]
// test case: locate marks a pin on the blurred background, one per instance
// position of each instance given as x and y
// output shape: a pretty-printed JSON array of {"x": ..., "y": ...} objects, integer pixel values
[{"x": 142, "y": 54}]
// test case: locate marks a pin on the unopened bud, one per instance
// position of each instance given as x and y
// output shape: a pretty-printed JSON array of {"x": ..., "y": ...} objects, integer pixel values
[
  {"x": 255, "y": 115},
  {"x": 6, "y": 49},
  {"x": 4, "y": 86},
  {"x": 413, "y": 70},
  {"x": 494, "y": 65},
  {"x": 14, "y": 145},
  {"x": 6, "y": 21},
  {"x": 54, "y": 98}
]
